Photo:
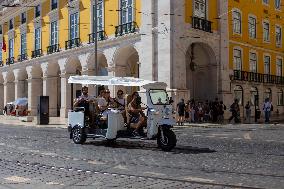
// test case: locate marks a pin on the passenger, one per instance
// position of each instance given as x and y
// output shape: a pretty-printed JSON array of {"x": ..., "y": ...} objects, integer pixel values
[
  {"x": 119, "y": 100},
  {"x": 110, "y": 101},
  {"x": 84, "y": 100},
  {"x": 137, "y": 114},
  {"x": 102, "y": 103}
]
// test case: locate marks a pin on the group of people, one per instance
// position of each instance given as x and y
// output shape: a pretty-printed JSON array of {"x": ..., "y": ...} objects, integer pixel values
[
  {"x": 214, "y": 111},
  {"x": 104, "y": 102},
  {"x": 194, "y": 112}
]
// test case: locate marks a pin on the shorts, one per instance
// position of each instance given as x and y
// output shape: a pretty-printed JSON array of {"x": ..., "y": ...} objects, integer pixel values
[{"x": 180, "y": 114}]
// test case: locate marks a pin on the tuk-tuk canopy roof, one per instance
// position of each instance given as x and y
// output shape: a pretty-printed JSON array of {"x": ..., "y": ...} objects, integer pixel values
[{"x": 109, "y": 80}]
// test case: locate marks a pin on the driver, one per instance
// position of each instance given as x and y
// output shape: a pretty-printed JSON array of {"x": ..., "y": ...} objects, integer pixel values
[
  {"x": 137, "y": 115},
  {"x": 84, "y": 100}
]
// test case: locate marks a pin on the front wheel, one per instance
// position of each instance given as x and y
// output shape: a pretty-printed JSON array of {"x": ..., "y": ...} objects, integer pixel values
[
  {"x": 78, "y": 135},
  {"x": 166, "y": 139}
]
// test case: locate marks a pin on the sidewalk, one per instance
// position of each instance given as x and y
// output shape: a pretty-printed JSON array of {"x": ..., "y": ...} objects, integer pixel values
[{"x": 55, "y": 122}]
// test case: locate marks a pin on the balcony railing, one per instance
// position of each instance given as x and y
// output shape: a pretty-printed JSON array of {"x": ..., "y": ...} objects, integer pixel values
[
  {"x": 53, "y": 49},
  {"x": 72, "y": 43},
  {"x": 201, "y": 24},
  {"x": 10, "y": 60},
  {"x": 101, "y": 35},
  {"x": 258, "y": 77},
  {"x": 127, "y": 28},
  {"x": 36, "y": 53},
  {"x": 1, "y": 63},
  {"x": 22, "y": 57}
]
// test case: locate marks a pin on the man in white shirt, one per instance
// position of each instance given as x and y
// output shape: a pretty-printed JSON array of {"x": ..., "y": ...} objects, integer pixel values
[{"x": 84, "y": 100}]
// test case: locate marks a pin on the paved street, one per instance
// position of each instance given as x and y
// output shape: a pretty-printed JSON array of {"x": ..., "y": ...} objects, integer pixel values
[{"x": 232, "y": 156}]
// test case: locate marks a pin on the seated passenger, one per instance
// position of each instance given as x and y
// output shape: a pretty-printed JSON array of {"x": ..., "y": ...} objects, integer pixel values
[
  {"x": 110, "y": 101},
  {"x": 119, "y": 100},
  {"x": 84, "y": 100},
  {"x": 137, "y": 115},
  {"x": 102, "y": 103}
]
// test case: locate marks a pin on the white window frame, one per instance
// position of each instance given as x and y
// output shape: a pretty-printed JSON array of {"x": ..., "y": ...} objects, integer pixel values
[
  {"x": 235, "y": 31},
  {"x": 102, "y": 17},
  {"x": 25, "y": 13},
  {"x": 13, "y": 22},
  {"x": 133, "y": 12},
  {"x": 277, "y": 2},
  {"x": 266, "y": 38},
  {"x": 279, "y": 72},
  {"x": 251, "y": 60},
  {"x": 280, "y": 97},
  {"x": 11, "y": 43},
  {"x": 255, "y": 27},
  {"x": 264, "y": 63},
  {"x": 40, "y": 11},
  {"x": 278, "y": 42},
  {"x": 54, "y": 37},
  {"x": 75, "y": 25},
  {"x": 39, "y": 40},
  {"x": 240, "y": 58},
  {"x": 205, "y": 11},
  {"x": 23, "y": 43},
  {"x": 51, "y": 4}
]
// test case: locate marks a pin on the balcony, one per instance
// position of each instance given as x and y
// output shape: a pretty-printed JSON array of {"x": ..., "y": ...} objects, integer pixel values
[
  {"x": 257, "y": 77},
  {"x": 22, "y": 57},
  {"x": 101, "y": 35},
  {"x": 53, "y": 49},
  {"x": 201, "y": 24},
  {"x": 10, "y": 60},
  {"x": 127, "y": 28},
  {"x": 36, "y": 53},
  {"x": 72, "y": 43}
]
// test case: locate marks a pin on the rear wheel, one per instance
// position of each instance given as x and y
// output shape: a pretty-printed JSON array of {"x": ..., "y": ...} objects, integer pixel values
[
  {"x": 78, "y": 135},
  {"x": 166, "y": 139}
]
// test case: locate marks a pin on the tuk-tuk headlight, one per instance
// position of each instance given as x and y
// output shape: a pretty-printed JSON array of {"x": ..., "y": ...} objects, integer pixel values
[
  {"x": 167, "y": 111},
  {"x": 154, "y": 111}
]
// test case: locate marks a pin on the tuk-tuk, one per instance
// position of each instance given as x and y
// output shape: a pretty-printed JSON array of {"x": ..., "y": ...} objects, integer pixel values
[{"x": 158, "y": 112}]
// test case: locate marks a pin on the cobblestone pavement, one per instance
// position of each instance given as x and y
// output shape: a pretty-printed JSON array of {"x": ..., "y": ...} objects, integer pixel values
[{"x": 233, "y": 156}]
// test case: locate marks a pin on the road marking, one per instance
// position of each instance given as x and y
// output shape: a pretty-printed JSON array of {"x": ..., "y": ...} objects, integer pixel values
[
  {"x": 247, "y": 136},
  {"x": 17, "y": 179},
  {"x": 237, "y": 138},
  {"x": 154, "y": 173},
  {"x": 223, "y": 137},
  {"x": 198, "y": 179},
  {"x": 121, "y": 167},
  {"x": 209, "y": 136},
  {"x": 196, "y": 135},
  {"x": 94, "y": 162}
]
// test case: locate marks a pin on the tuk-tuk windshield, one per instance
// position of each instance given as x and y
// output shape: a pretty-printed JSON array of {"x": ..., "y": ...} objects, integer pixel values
[{"x": 159, "y": 97}]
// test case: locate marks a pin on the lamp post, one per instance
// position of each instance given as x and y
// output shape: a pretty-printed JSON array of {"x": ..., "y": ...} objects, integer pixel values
[{"x": 96, "y": 38}]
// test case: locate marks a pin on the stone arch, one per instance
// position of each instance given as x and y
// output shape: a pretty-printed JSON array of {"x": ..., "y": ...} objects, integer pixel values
[
  {"x": 102, "y": 64},
  {"x": 127, "y": 58},
  {"x": 253, "y": 94},
  {"x": 201, "y": 67},
  {"x": 239, "y": 94},
  {"x": 73, "y": 65}
]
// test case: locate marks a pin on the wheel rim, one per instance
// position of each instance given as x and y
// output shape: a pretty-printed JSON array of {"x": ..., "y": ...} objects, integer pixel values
[
  {"x": 164, "y": 141},
  {"x": 76, "y": 134}
]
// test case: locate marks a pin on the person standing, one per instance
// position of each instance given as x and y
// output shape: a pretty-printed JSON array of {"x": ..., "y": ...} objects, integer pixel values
[
  {"x": 235, "y": 109},
  {"x": 248, "y": 112},
  {"x": 267, "y": 109},
  {"x": 181, "y": 111}
]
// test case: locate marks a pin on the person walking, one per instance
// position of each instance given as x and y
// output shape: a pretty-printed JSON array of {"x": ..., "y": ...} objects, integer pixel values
[
  {"x": 248, "y": 112},
  {"x": 221, "y": 111},
  {"x": 267, "y": 106},
  {"x": 181, "y": 111},
  {"x": 235, "y": 109}
]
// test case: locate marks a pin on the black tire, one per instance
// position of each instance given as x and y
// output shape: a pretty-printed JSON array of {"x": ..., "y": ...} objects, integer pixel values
[
  {"x": 169, "y": 141},
  {"x": 78, "y": 135}
]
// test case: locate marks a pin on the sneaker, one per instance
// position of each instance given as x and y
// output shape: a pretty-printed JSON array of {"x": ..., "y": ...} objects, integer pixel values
[{"x": 135, "y": 134}]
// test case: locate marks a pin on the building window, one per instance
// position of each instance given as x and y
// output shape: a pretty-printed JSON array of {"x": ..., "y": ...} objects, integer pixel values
[
  {"x": 99, "y": 17},
  {"x": 126, "y": 11},
  {"x": 277, "y": 4},
  {"x": 266, "y": 31},
  {"x": 74, "y": 25},
  {"x": 200, "y": 8},
  {"x": 252, "y": 27},
  {"x": 267, "y": 94},
  {"x": 252, "y": 62},
  {"x": 11, "y": 24},
  {"x": 266, "y": 64},
  {"x": 265, "y": 1},
  {"x": 53, "y": 4},
  {"x": 23, "y": 43},
  {"x": 278, "y": 33},
  {"x": 54, "y": 33},
  {"x": 237, "y": 59},
  {"x": 280, "y": 98},
  {"x": 37, "y": 38},
  {"x": 11, "y": 48},
  {"x": 37, "y": 11},
  {"x": 237, "y": 21},
  {"x": 23, "y": 18},
  {"x": 253, "y": 93},
  {"x": 238, "y": 92},
  {"x": 279, "y": 67}
]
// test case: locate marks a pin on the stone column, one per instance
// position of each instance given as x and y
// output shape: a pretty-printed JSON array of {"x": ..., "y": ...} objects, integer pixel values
[
  {"x": 19, "y": 84},
  {"x": 9, "y": 89},
  {"x": 34, "y": 90},
  {"x": 2, "y": 96}
]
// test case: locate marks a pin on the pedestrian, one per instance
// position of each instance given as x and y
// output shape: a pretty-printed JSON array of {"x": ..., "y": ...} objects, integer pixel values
[
  {"x": 248, "y": 112},
  {"x": 181, "y": 111},
  {"x": 215, "y": 107},
  {"x": 206, "y": 111},
  {"x": 5, "y": 110},
  {"x": 267, "y": 107},
  {"x": 192, "y": 111},
  {"x": 221, "y": 111},
  {"x": 235, "y": 109}
]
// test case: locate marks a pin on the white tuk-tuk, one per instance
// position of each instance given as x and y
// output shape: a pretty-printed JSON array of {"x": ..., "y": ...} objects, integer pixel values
[{"x": 158, "y": 112}]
